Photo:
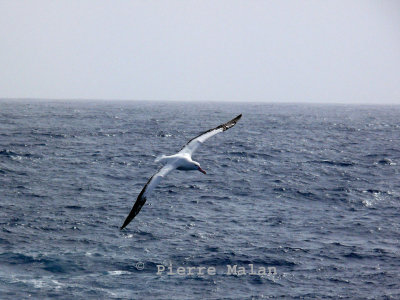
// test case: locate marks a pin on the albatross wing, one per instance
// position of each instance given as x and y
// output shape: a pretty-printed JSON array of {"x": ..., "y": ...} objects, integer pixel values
[
  {"x": 150, "y": 185},
  {"x": 178, "y": 160},
  {"x": 195, "y": 142}
]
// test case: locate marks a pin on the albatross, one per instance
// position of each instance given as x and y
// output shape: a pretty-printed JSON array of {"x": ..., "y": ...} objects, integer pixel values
[{"x": 181, "y": 161}]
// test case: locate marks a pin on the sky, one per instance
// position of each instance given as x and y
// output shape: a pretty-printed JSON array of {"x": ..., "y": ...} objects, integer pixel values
[{"x": 271, "y": 51}]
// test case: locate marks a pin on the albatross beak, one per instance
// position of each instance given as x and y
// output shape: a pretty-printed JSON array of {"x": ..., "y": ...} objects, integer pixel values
[{"x": 202, "y": 171}]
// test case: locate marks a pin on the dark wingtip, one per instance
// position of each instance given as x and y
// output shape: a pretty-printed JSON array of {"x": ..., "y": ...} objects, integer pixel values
[
  {"x": 127, "y": 221},
  {"x": 237, "y": 118},
  {"x": 230, "y": 123}
]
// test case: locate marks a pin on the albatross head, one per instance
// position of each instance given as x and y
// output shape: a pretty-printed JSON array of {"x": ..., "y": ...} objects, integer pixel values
[{"x": 199, "y": 168}]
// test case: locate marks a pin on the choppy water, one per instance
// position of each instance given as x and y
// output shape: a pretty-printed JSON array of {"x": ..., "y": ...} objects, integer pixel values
[{"x": 311, "y": 190}]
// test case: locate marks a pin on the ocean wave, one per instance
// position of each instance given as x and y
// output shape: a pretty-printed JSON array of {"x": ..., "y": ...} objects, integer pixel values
[{"x": 309, "y": 190}]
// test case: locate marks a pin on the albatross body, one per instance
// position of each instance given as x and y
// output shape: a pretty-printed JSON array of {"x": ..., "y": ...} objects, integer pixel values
[{"x": 181, "y": 161}]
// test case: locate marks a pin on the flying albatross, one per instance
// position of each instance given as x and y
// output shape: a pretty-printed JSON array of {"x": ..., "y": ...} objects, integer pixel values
[{"x": 180, "y": 161}]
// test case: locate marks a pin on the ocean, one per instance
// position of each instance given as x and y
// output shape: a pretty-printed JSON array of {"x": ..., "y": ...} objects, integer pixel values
[{"x": 300, "y": 201}]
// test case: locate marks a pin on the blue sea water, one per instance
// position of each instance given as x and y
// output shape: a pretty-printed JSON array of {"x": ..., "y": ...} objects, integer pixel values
[{"x": 310, "y": 190}]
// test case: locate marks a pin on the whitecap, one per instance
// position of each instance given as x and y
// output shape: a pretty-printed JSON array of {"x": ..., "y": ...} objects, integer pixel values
[{"x": 118, "y": 272}]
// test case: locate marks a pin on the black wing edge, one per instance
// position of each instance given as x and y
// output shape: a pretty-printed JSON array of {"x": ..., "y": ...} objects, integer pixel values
[
  {"x": 225, "y": 126},
  {"x": 140, "y": 201}
]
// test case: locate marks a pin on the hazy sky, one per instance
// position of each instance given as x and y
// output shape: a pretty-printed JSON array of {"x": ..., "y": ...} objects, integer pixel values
[{"x": 296, "y": 51}]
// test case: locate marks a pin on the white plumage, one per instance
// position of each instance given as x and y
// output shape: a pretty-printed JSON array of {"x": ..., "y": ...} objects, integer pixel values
[{"x": 180, "y": 161}]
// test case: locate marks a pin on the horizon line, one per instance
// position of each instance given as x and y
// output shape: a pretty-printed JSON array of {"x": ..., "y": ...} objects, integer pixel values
[{"x": 329, "y": 102}]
